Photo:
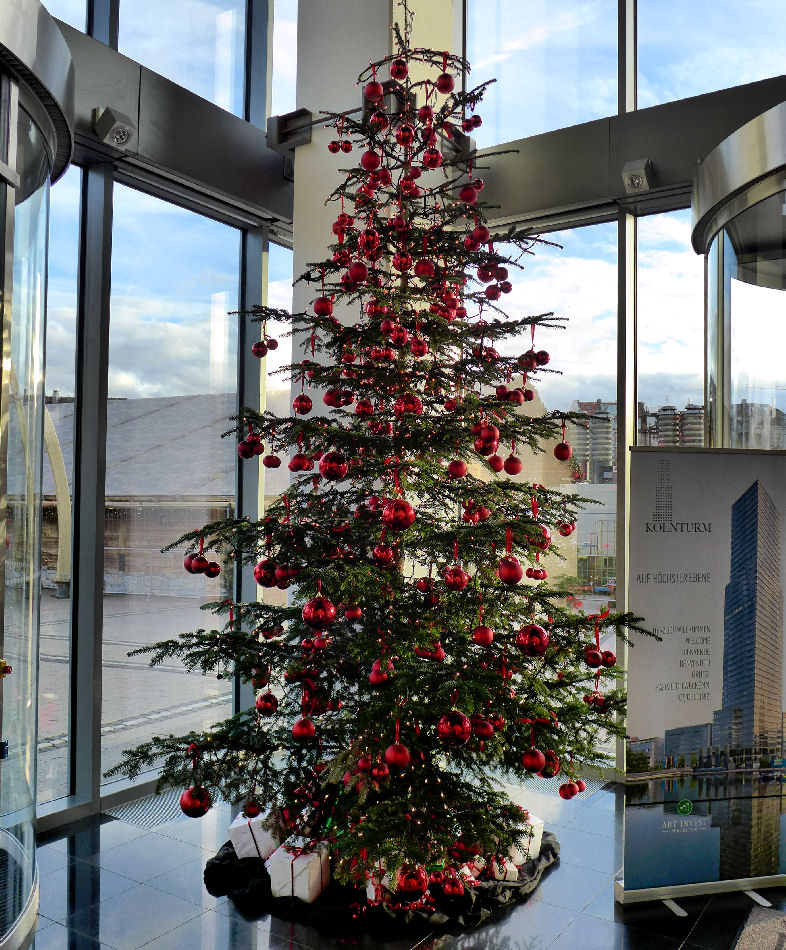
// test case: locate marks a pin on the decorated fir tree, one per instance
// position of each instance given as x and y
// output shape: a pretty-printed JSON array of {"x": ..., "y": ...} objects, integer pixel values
[{"x": 423, "y": 656}]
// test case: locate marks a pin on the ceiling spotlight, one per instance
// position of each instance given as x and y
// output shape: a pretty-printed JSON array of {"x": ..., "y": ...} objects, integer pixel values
[
  {"x": 114, "y": 128},
  {"x": 637, "y": 176}
]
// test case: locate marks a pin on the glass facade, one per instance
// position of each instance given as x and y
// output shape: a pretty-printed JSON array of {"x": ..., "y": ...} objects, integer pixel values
[
  {"x": 284, "y": 56},
  {"x": 199, "y": 44},
  {"x": 553, "y": 67},
  {"x": 72, "y": 12},
  {"x": 172, "y": 389}
]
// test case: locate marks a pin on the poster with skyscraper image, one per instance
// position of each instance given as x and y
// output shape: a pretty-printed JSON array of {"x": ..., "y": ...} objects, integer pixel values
[{"x": 705, "y": 789}]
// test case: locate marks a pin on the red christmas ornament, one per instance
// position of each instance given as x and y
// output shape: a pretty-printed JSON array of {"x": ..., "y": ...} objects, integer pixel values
[
  {"x": 532, "y": 640},
  {"x": 496, "y": 463},
  {"x": 303, "y": 729},
  {"x": 188, "y": 561},
  {"x": 426, "y": 114},
  {"x": 454, "y": 729},
  {"x": 334, "y": 146},
  {"x": 510, "y": 570},
  {"x": 323, "y": 306},
  {"x": 259, "y": 350},
  {"x": 411, "y": 881},
  {"x": 302, "y": 404},
  {"x": 483, "y": 636},
  {"x": 405, "y": 134},
  {"x": 609, "y": 657},
  {"x": 580, "y": 785},
  {"x": 513, "y": 465},
  {"x": 397, "y": 756},
  {"x": 592, "y": 657},
  {"x": 370, "y": 160},
  {"x": 383, "y": 555},
  {"x": 482, "y": 728},
  {"x": 568, "y": 790},
  {"x": 267, "y": 704},
  {"x": 318, "y": 613},
  {"x": 566, "y": 528},
  {"x": 195, "y": 802},
  {"x": 398, "y": 514},
  {"x": 408, "y": 404},
  {"x": 432, "y": 158},
  {"x": 452, "y": 887},
  {"x": 456, "y": 578},
  {"x": 213, "y": 569},
  {"x": 562, "y": 451},
  {"x": 533, "y": 760},
  {"x": 199, "y": 564},
  {"x": 542, "y": 357},
  {"x": 380, "y": 771},
  {"x": 418, "y": 346},
  {"x": 457, "y": 469},
  {"x": 399, "y": 69},
  {"x": 271, "y": 461},
  {"x": 358, "y": 272},
  {"x": 245, "y": 449},
  {"x": 468, "y": 195},
  {"x": 402, "y": 261},
  {"x": 265, "y": 573},
  {"x": 353, "y": 613},
  {"x": 445, "y": 83},
  {"x": 374, "y": 91},
  {"x": 333, "y": 466}
]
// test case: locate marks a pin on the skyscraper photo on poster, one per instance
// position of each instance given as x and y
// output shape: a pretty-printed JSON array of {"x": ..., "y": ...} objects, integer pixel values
[{"x": 705, "y": 753}]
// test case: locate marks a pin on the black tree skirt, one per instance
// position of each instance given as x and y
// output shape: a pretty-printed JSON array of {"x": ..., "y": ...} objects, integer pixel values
[{"x": 341, "y": 909}]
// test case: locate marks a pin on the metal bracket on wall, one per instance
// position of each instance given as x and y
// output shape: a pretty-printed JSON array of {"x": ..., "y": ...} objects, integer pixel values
[
  {"x": 9, "y": 176},
  {"x": 285, "y": 132}
]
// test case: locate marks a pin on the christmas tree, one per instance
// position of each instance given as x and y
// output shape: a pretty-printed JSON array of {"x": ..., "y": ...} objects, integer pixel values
[{"x": 415, "y": 665}]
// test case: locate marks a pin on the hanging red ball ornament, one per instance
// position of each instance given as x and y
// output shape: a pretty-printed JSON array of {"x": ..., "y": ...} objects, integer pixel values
[
  {"x": 609, "y": 657},
  {"x": 592, "y": 657},
  {"x": 467, "y": 194},
  {"x": 334, "y": 146},
  {"x": 568, "y": 790},
  {"x": 496, "y": 463},
  {"x": 358, "y": 272},
  {"x": 265, "y": 573},
  {"x": 418, "y": 346},
  {"x": 195, "y": 802},
  {"x": 457, "y": 468},
  {"x": 483, "y": 636},
  {"x": 323, "y": 306},
  {"x": 432, "y": 158},
  {"x": 405, "y": 134},
  {"x": 532, "y": 640},
  {"x": 456, "y": 578},
  {"x": 398, "y": 514},
  {"x": 213, "y": 569},
  {"x": 368, "y": 240},
  {"x": 452, "y": 886},
  {"x": 424, "y": 268},
  {"x": 370, "y": 160},
  {"x": 318, "y": 612},
  {"x": 510, "y": 570},
  {"x": 411, "y": 881},
  {"x": 454, "y": 729},
  {"x": 581, "y": 785},
  {"x": 188, "y": 561},
  {"x": 566, "y": 528},
  {"x": 445, "y": 83},
  {"x": 383, "y": 555},
  {"x": 267, "y": 704},
  {"x": 199, "y": 564},
  {"x": 259, "y": 349},
  {"x": 408, "y": 404},
  {"x": 513, "y": 465},
  {"x": 303, "y": 729},
  {"x": 245, "y": 449},
  {"x": 374, "y": 91},
  {"x": 397, "y": 756},
  {"x": 481, "y": 234},
  {"x": 482, "y": 728},
  {"x": 533, "y": 760},
  {"x": 333, "y": 466},
  {"x": 562, "y": 451},
  {"x": 302, "y": 404},
  {"x": 426, "y": 114},
  {"x": 402, "y": 261},
  {"x": 542, "y": 357},
  {"x": 271, "y": 461},
  {"x": 399, "y": 69}
]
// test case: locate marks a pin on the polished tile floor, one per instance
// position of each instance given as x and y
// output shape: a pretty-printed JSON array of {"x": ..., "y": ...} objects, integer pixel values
[{"x": 110, "y": 884}]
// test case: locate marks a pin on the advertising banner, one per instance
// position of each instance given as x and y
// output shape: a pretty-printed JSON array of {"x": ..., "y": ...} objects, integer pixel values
[{"x": 705, "y": 776}]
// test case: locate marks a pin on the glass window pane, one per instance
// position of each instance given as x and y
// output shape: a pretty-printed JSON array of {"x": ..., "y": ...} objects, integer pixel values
[
  {"x": 685, "y": 49},
  {"x": 670, "y": 332},
  {"x": 73, "y": 12},
  {"x": 55, "y": 638},
  {"x": 554, "y": 66},
  {"x": 199, "y": 44},
  {"x": 172, "y": 387},
  {"x": 284, "y": 56}
]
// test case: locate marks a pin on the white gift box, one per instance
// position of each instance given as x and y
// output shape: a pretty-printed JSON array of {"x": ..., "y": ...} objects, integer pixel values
[
  {"x": 530, "y": 848},
  {"x": 504, "y": 869},
  {"x": 378, "y": 885},
  {"x": 295, "y": 874},
  {"x": 252, "y": 837}
]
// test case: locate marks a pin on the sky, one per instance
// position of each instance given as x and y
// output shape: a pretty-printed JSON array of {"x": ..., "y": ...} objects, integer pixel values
[{"x": 172, "y": 269}]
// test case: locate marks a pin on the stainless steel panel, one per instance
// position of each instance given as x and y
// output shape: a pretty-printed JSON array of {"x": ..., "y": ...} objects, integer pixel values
[
  {"x": 33, "y": 50},
  {"x": 736, "y": 173}
]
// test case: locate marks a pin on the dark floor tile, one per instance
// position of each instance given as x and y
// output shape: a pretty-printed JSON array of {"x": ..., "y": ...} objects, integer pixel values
[
  {"x": 588, "y": 850},
  {"x": 48, "y": 860},
  {"x": 133, "y": 918},
  {"x": 210, "y": 931},
  {"x": 86, "y": 837},
  {"x": 655, "y": 917},
  {"x": 57, "y": 937},
  {"x": 570, "y": 886},
  {"x": 530, "y": 926},
  {"x": 76, "y": 886},
  {"x": 208, "y": 833},
  {"x": 148, "y": 856},
  {"x": 718, "y": 927},
  {"x": 592, "y": 933},
  {"x": 596, "y": 820},
  {"x": 187, "y": 881},
  {"x": 775, "y": 895},
  {"x": 604, "y": 905}
]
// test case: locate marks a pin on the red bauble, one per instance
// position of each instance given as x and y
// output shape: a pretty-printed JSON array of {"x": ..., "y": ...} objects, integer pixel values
[
  {"x": 452, "y": 887},
  {"x": 418, "y": 346},
  {"x": 368, "y": 240},
  {"x": 303, "y": 730},
  {"x": 259, "y": 350},
  {"x": 580, "y": 785},
  {"x": 402, "y": 261},
  {"x": 195, "y": 802},
  {"x": 492, "y": 292},
  {"x": 358, "y": 272},
  {"x": 516, "y": 396},
  {"x": 533, "y": 760},
  {"x": 302, "y": 404},
  {"x": 370, "y": 160},
  {"x": 319, "y": 613},
  {"x": 411, "y": 881},
  {"x": 364, "y": 407},
  {"x": 496, "y": 463},
  {"x": 567, "y": 790},
  {"x": 592, "y": 657},
  {"x": 454, "y": 729},
  {"x": 482, "y": 728},
  {"x": 532, "y": 640},
  {"x": 481, "y": 234},
  {"x": 265, "y": 573},
  {"x": 380, "y": 771},
  {"x": 609, "y": 657},
  {"x": 333, "y": 466},
  {"x": 424, "y": 268},
  {"x": 468, "y": 195},
  {"x": 408, "y": 404},
  {"x": 510, "y": 570},
  {"x": 432, "y": 158},
  {"x": 513, "y": 465},
  {"x": 457, "y": 469},
  {"x": 334, "y": 146},
  {"x": 399, "y": 69},
  {"x": 300, "y": 462},
  {"x": 374, "y": 91},
  {"x": 445, "y": 83},
  {"x": 528, "y": 361},
  {"x": 397, "y": 756},
  {"x": 399, "y": 336},
  {"x": 353, "y": 613},
  {"x": 425, "y": 114},
  {"x": 213, "y": 569},
  {"x": 383, "y": 555},
  {"x": 405, "y": 135},
  {"x": 456, "y": 578},
  {"x": 199, "y": 564},
  {"x": 245, "y": 449},
  {"x": 323, "y": 306},
  {"x": 483, "y": 636},
  {"x": 544, "y": 540},
  {"x": 542, "y": 357},
  {"x": 562, "y": 451},
  {"x": 267, "y": 704},
  {"x": 398, "y": 514},
  {"x": 566, "y": 528},
  {"x": 271, "y": 461},
  {"x": 188, "y": 561}
]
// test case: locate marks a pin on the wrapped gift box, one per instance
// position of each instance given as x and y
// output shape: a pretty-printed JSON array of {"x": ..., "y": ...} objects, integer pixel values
[
  {"x": 297, "y": 873},
  {"x": 503, "y": 869},
  {"x": 253, "y": 837},
  {"x": 378, "y": 884},
  {"x": 530, "y": 847}
]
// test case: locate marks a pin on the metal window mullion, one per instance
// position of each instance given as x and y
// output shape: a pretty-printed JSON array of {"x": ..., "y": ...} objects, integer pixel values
[
  {"x": 627, "y": 54},
  {"x": 103, "y": 18},
  {"x": 259, "y": 61},
  {"x": 626, "y": 411},
  {"x": 92, "y": 371}
]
